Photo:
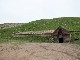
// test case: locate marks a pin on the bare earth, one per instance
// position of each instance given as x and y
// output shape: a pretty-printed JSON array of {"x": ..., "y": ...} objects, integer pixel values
[{"x": 39, "y": 51}]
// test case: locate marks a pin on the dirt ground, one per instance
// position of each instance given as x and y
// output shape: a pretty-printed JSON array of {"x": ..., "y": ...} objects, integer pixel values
[{"x": 39, "y": 51}]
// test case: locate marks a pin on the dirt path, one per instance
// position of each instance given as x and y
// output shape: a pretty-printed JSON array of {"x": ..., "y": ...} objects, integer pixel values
[{"x": 39, "y": 51}]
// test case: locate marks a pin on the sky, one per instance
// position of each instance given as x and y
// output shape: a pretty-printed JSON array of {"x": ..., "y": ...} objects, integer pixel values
[{"x": 24, "y": 11}]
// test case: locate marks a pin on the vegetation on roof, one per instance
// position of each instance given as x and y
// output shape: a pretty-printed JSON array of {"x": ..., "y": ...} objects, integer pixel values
[{"x": 69, "y": 23}]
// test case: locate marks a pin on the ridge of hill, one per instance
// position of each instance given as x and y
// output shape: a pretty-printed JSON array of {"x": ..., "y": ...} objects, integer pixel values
[{"x": 9, "y": 25}]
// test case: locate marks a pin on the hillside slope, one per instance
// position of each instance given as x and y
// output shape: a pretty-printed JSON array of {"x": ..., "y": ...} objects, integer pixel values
[{"x": 69, "y": 23}]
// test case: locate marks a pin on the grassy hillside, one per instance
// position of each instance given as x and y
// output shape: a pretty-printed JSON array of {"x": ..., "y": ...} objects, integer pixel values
[{"x": 69, "y": 23}]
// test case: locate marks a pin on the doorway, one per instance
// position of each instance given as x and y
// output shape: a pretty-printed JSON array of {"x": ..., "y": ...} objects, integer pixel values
[{"x": 60, "y": 40}]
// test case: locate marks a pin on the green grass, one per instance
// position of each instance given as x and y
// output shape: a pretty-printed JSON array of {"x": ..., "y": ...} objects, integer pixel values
[
  {"x": 32, "y": 39},
  {"x": 69, "y": 23},
  {"x": 76, "y": 42}
]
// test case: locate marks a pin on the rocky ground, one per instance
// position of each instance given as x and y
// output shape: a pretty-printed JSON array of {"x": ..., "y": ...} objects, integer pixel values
[{"x": 39, "y": 51}]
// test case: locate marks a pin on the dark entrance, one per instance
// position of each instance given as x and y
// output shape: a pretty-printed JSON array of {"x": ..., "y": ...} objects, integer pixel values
[
  {"x": 60, "y": 40},
  {"x": 60, "y": 36}
]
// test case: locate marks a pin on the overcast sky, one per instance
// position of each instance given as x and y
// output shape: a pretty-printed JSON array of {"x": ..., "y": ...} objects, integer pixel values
[{"x": 17, "y": 11}]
